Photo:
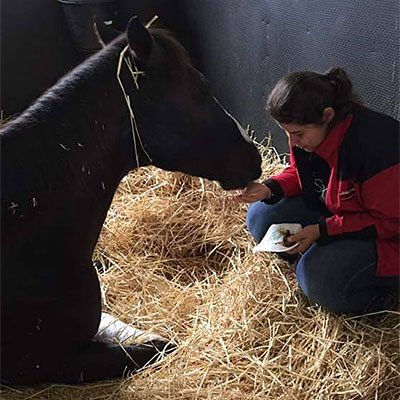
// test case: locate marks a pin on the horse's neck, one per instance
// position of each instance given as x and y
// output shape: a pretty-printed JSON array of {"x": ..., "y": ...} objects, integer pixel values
[
  {"x": 101, "y": 117},
  {"x": 83, "y": 115},
  {"x": 73, "y": 135},
  {"x": 64, "y": 157}
]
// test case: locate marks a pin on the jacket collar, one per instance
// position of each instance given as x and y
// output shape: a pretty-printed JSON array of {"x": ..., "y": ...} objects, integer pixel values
[{"x": 330, "y": 145}]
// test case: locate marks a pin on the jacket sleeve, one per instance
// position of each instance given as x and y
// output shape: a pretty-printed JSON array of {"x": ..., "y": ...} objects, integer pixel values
[
  {"x": 380, "y": 196},
  {"x": 285, "y": 184}
]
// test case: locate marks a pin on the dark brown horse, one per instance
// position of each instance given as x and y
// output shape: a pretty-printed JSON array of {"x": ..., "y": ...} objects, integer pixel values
[{"x": 62, "y": 161}]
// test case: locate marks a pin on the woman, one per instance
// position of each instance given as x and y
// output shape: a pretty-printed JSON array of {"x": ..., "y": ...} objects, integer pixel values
[{"x": 342, "y": 186}]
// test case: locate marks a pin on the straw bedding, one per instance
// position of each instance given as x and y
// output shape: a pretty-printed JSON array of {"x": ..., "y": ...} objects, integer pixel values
[{"x": 180, "y": 264}]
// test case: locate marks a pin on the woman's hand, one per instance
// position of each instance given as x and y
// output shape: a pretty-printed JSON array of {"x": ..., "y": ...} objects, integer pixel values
[
  {"x": 255, "y": 191},
  {"x": 306, "y": 237}
]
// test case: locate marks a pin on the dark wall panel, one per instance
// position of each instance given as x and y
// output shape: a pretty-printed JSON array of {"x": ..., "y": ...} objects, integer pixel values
[
  {"x": 35, "y": 51},
  {"x": 37, "y": 47}
]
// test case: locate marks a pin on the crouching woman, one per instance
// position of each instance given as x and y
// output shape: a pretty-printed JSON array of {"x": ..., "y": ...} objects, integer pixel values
[{"x": 342, "y": 186}]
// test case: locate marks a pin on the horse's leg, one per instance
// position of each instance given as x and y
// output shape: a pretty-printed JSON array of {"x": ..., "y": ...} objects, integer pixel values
[
  {"x": 51, "y": 340},
  {"x": 85, "y": 362},
  {"x": 100, "y": 361}
]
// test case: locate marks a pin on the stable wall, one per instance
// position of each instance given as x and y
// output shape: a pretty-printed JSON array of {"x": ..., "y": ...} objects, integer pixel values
[
  {"x": 243, "y": 47},
  {"x": 246, "y": 46}
]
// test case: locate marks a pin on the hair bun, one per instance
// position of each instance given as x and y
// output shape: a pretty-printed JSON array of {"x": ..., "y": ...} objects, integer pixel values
[{"x": 340, "y": 82}]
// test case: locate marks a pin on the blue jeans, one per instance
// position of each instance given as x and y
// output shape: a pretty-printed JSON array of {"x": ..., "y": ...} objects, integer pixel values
[{"x": 340, "y": 276}]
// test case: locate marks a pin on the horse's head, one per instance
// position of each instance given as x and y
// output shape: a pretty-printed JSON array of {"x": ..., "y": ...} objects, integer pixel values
[{"x": 180, "y": 123}]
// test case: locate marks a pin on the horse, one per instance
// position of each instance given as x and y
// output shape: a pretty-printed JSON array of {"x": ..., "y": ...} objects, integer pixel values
[{"x": 137, "y": 102}]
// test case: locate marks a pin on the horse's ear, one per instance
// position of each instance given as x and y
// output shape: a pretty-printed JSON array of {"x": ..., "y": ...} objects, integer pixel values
[
  {"x": 104, "y": 33},
  {"x": 139, "y": 39}
]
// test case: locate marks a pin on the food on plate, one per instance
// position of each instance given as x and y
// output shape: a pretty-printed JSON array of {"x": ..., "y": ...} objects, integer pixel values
[{"x": 286, "y": 234}]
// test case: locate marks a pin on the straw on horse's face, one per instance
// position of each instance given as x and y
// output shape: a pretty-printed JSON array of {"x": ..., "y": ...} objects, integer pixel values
[{"x": 61, "y": 163}]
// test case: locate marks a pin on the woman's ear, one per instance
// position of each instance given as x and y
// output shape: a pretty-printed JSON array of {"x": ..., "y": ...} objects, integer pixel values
[{"x": 328, "y": 115}]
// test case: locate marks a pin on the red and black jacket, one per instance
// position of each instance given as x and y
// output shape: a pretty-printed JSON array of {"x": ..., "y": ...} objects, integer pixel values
[{"x": 355, "y": 171}]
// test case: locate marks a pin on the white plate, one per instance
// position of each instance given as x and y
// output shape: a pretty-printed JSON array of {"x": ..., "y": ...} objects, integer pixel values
[{"x": 272, "y": 241}]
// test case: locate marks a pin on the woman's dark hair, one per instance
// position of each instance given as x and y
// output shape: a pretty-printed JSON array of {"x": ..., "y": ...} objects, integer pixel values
[{"x": 301, "y": 97}]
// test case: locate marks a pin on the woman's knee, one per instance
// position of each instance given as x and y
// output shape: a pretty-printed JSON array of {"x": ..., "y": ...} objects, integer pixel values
[
  {"x": 305, "y": 274},
  {"x": 261, "y": 216},
  {"x": 335, "y": 285},
  {"x": 317, "y": 281}
]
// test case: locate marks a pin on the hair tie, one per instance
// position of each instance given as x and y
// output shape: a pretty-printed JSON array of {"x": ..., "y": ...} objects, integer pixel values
[{"x": 331, "y": 80}]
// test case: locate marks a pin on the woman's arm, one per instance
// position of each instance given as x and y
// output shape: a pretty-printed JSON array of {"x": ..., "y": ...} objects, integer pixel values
[{"x": 285, "y": 184}]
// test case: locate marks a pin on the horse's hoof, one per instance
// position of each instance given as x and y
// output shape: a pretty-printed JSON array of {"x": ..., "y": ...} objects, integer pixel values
[
  {"x": 163, "y": 346},
  {"x": 148, "y": 353}
]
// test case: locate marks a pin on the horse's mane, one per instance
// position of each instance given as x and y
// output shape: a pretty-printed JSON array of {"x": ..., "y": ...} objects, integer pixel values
[{"x": 102, "y": 62}]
